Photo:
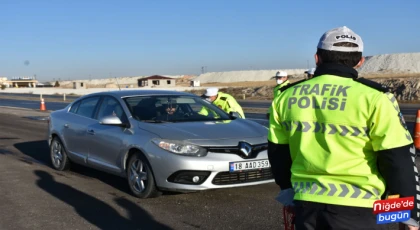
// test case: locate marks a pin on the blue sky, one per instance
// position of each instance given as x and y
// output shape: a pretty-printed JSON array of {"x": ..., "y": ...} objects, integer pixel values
[{"x": 78, "y": 39}]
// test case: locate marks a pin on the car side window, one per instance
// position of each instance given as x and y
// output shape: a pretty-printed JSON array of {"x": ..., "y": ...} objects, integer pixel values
[
  {"x": 74, "y": 107},
  {"x": 142, "y": 108},
  {"x": 87, "y": 107},
  {"x": 111, "y": 107}
]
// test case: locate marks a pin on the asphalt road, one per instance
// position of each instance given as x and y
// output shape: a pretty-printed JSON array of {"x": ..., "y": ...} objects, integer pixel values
[
  {"x": 37, "y": 96},
  {"x": 34, "y": 196},
  {"x": 260, "y": 118},
  {"x": 407, "y": 109},
  {"x": 31, "y": 104}
]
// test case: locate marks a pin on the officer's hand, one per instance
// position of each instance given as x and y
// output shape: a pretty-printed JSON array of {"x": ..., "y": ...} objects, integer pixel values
[
  {"x": 411, "y": 224},
  {"x": 286, "y": 196}
]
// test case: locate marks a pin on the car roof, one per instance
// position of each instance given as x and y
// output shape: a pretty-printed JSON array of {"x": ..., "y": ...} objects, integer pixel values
[{"x": 140, "y": 92}]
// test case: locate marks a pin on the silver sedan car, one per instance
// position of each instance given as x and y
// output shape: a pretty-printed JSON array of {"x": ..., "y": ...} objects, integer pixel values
[{"x": 160, "y": 140}]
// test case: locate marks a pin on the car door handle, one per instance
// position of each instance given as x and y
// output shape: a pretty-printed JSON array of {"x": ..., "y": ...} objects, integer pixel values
[
  {"x": 66, "y": 125},
  {"x": 91, "y": 131}
]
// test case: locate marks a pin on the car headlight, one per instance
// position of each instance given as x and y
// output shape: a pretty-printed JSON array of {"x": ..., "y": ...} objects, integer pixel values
[{"x": 180, "y": 148}]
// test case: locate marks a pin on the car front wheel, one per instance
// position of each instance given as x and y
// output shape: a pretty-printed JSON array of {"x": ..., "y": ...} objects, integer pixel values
[
  {"x": 59, "y": 158},
  {"x": 140, "y": 177}
]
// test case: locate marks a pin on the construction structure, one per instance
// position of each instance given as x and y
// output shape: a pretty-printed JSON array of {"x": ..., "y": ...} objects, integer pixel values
[
  {"x": 25, "y": 82},
  {"x": 157, "y": 81},
  {"x": 194, "y": 83},
  {"x": 79, "y": 85}
]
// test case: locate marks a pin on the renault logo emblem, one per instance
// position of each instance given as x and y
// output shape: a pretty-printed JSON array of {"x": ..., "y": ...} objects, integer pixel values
[{"x": 245, "y": 148}]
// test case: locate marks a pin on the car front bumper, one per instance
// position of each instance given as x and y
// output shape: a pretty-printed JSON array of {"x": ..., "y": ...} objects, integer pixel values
[{"x": 164, "y": 164}]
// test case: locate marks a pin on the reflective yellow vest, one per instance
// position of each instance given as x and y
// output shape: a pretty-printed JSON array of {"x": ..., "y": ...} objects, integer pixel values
[
  {"x": 227, "y": 103},
  {"x": 276, "y": 90},
  {"x": 334, "y": 127}
]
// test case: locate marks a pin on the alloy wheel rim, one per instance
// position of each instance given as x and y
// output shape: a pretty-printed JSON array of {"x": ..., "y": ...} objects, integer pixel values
[
  {"x": 57, "y": 154},
  {"x": 138, "y": 176}
]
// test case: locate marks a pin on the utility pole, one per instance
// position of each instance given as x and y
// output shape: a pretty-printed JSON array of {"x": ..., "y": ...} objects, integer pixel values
[{"x": 307, "y": 64}]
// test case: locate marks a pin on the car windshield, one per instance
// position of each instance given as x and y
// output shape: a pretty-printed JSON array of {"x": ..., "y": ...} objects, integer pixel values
[{"x": 172, "y": 108}]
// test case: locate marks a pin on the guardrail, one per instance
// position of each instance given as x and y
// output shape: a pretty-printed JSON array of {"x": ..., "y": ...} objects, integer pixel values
[{"x": 27, "y": 95}]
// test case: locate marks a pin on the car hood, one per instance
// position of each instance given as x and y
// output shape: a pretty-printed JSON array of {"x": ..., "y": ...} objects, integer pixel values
[{"x": 207, "y": 132}]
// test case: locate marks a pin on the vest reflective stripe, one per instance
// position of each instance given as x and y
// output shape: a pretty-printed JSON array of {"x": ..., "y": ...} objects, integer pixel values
[
  {"x": 392, "y": 98},
  {"x": 318, "y": 127},
  {"x": 334, "y": 190}
]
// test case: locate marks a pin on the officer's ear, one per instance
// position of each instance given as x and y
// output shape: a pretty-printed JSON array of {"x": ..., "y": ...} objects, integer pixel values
[
  {"x": 362, "y": 60},
  {"x": 318, "y": 60}
]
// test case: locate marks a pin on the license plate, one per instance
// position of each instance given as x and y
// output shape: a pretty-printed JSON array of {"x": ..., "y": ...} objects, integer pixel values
[{"x": 248, "y": 165}]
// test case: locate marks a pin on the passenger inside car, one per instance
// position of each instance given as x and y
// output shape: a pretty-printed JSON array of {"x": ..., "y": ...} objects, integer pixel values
[{"x": 145, "y": 109}]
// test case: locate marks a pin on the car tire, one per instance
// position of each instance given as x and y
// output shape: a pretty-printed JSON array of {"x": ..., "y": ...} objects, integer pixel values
[
  {"x": 58, "y": 155},
  {"x": 140, "y": 177}
]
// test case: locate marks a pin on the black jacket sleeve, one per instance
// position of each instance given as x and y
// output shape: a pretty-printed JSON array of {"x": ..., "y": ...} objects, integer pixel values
[
  {"x": 281, "y": 163},
  {"x": 397, "y": 166}
]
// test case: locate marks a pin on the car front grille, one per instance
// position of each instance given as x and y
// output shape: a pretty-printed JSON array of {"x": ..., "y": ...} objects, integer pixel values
[
  {"x": 235, "y": 150},
  {"x": 226, "y": 178}
]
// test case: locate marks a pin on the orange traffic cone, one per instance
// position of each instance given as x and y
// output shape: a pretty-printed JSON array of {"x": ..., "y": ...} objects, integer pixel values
[
  {"x": 42, "y": 106},
  {"x": 417, "y": 131}
]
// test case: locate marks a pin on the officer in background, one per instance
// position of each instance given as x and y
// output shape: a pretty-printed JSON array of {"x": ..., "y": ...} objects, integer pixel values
[
  {"x": 341, "y": 143},
  {"x": 282, "y": 80},
  {"x": 222, "y": 100},
  {"x": 310, "y": 73}
]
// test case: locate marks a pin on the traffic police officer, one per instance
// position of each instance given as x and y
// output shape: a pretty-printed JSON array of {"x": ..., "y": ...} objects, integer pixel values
[
  {"x": 338, "y": 143},
  {"x": 222, "y": 100},
  {"x": 282, "y": 80}
]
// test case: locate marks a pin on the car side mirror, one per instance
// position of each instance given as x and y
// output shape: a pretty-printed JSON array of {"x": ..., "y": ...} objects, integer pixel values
[
  {"x": 234, "y": 115},
  {"x": 112, "y": 120}
]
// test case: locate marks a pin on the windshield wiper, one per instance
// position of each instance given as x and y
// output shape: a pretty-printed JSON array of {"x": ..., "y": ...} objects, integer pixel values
[{"x": 155, "y": 121}]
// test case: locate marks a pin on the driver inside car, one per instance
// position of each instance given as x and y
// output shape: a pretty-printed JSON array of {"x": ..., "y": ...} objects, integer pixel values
[{"x": 171, "y": 111}]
